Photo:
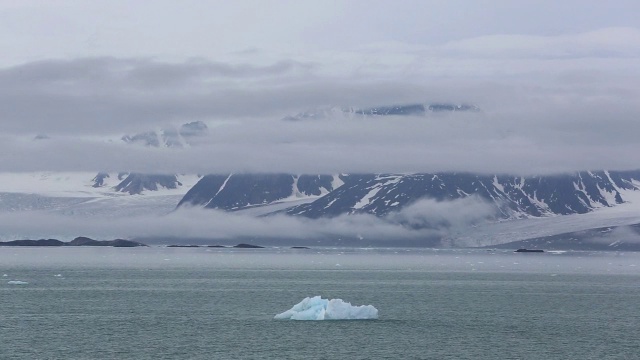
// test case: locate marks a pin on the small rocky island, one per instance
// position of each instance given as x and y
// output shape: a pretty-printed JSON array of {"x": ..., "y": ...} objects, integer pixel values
[
  {"x": 529, "y": 250},
  {"x": 79, "y": 241},
  {"x": 239, "y": 246}
]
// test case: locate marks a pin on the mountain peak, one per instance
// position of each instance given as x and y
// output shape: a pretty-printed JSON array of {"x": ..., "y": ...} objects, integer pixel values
[
  {"x": 170, "y": 137},
  {"x": 414, "y": 109}
]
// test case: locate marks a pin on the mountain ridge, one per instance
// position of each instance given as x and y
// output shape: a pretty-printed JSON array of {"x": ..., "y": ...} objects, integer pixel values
[{"x": 380, "y": 194}]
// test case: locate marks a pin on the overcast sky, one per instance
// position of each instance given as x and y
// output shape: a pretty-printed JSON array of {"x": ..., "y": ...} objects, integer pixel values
[{"x": 558, "y": 84}]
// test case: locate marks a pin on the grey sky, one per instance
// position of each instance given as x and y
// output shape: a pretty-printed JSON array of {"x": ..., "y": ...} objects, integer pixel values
[
  {"x": 558, "y": 83},
  {"x": 41, "y": 29}
]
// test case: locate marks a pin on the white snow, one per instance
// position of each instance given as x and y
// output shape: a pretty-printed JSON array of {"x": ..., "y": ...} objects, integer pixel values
[
  {"x": 317, "y": 308},
  {"x": 367, "y": 198},
  {"x": 610, "y": 197},
  {"x": 280, "y": 205},
  {"x": 224, "y": 184},
  {"x": 337, "y": 182},
  {"x": 495, "y": 233},
  {"x": 56, "y": 184},
  {"x": 297, "y": 196},
  {"x": 497, "y": 185}
]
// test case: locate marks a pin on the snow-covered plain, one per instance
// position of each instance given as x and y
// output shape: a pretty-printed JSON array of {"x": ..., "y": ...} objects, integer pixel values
[
  {"x": 77, "y": 184},
  {"x": 73, "y": 195}
]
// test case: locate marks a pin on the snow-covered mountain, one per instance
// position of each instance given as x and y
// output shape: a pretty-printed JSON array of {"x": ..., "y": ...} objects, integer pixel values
[
  {"x": 87, "y": 184},
  {"x": 88, "y": 193},
  {"x": 105, "y": 194},
  {"x": 169, "y": 137},
  {"x": 516, "y": 207},
  {"x": 380, "y": 194},
  {"x": 523, "y": 207},
  {"x": 512, "y": 196},
  {"x": 137, "y": 183},
  {"x": 512, "y": 199},
  {"x": 241, "y": 191},
  {"x": 386, "y": 110}
]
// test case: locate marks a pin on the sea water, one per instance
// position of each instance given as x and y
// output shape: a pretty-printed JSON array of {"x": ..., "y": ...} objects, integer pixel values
[{"x": 201, "y": 303}]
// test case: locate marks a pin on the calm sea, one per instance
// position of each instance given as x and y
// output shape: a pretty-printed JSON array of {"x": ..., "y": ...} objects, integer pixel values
[{"x": 198, "y": 303}]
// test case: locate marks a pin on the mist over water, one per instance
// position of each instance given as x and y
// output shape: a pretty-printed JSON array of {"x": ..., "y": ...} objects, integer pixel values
[
  {"x": 322, "y": 259},
  {"x": 202, "y": 303}
]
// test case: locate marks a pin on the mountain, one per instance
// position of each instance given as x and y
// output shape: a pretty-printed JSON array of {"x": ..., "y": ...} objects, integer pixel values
[
  {"x": 179, "y": 137},
  {"x": 512, "y": 197},
  {"x": 416, "y": 109},
  {"x": 514, "y": 208},
  {"x": 240, "y": 191},
  {"x": 388, "y": 199},
  {"x": 80, "y": 194},
  {"x": 387, "y": 110},
  {"x": 103, "y": 194},
  {"x": 137, "y": 183},
  {"x": 456, "y": 209}
]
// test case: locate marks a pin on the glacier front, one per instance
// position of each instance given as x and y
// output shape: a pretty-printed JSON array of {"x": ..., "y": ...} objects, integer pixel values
[{"x": 317, "y": 308}]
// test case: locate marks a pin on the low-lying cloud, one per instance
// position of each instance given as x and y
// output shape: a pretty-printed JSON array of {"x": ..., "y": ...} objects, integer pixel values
[
  {"x": 487, "y": 142},
  {"x": 423, "y": 223}
]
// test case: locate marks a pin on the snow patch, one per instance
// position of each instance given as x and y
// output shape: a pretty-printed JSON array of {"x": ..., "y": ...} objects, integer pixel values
[
  {"x": 337, "y": 182},
  {"x": 497, "y": 185},
  {"x": 367, "y": 198},
  {"x": 609, "y": 197}
]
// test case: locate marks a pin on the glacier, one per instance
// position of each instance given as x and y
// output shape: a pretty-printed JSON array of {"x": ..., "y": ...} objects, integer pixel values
[{"x": 317, "y": 308}]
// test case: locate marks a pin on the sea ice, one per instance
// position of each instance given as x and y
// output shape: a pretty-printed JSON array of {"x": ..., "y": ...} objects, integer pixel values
[
  {"x": 317, "y": 308},
  {"x": 17, "y": 282}
]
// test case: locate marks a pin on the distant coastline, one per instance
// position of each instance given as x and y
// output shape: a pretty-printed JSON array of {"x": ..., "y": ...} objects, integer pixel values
[
  {"x": 239, "y": 246},
  {"x": 79, "y": 241},
  {"x": 85, "y": 241}
]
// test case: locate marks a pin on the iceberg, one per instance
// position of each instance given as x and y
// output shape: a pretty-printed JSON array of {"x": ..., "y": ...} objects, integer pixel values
[
  {"x": 17, "y": 282},
  {"x": 317, "y": 308}
]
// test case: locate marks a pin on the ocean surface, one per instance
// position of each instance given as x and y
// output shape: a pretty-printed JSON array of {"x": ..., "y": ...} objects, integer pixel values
[{"x": 201, "y": 303}]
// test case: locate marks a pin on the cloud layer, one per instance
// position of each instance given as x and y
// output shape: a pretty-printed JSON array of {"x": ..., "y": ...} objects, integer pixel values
[
  {"x": 550, "y": 103},
  {"x": 415, "y": 225}
]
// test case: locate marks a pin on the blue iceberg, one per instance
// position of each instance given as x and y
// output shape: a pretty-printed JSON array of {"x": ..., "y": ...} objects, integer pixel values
[{"x": 317, "y": 308}]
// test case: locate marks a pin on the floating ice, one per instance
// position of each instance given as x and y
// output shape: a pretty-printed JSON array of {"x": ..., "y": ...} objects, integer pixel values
[
  {"x": 317, "y": 308},
  {"x": 17, "y": 282}
]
